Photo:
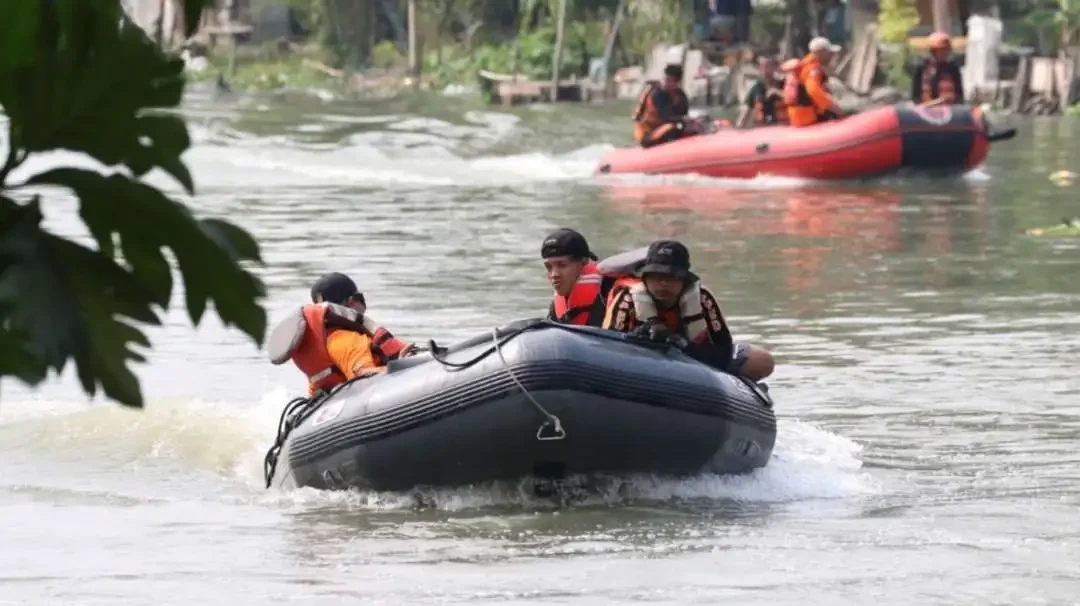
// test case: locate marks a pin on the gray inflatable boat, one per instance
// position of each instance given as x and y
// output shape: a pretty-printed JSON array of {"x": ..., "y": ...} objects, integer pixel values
[{"x": 530, "y": 399}]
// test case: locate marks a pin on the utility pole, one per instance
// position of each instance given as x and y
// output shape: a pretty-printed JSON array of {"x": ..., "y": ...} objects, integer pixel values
[
  {"x": 557, "y": 58},
  {"x": 943, "y": 16},
  {"x": 414, "y": 51}
]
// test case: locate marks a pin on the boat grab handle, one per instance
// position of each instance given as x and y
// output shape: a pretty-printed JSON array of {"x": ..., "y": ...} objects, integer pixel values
[{"x": 551, "y": 420}]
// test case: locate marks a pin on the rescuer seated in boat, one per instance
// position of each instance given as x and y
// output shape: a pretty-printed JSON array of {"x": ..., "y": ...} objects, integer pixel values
[
  {"x": 332, "y": 340},
  {"x": 765, "y": 100},
  {"x": 668, "y": 301},
  {"x": 937, "y": 80},
  {"x": 661, "y": 113},
  {"x": 580, "y": 291},
  {"x": 806, "y": 87}
]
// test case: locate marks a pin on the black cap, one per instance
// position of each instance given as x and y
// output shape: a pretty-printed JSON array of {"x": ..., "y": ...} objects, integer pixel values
[
  {"x": 667, "y": 257},
  {"x": 334, "y": 288},
  {"x": 566, "y": 243},
  {"x": 674, "y": 70}
]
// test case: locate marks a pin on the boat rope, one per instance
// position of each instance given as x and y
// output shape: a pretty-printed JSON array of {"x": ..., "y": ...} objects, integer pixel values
[
  {"x": 291, "y": 415},
  {"x": 552, "y": 421}
]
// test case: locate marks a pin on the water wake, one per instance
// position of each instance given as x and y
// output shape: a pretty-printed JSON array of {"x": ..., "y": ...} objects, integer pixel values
[{"x": 226, "y": 440}]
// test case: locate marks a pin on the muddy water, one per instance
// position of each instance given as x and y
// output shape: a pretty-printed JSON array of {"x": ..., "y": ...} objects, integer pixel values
[{"x": 927, "y": 385}]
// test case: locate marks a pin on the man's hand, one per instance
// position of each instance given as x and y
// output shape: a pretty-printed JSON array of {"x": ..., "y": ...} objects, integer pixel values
[
  {"x": 658, "y": 333},
  {"x": 410, "y": 350}
]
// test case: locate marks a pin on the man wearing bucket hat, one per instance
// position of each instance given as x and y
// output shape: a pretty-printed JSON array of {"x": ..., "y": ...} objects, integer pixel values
[
  {"x": 666, "y": 298},
  {"x": 806, "y": 88}
]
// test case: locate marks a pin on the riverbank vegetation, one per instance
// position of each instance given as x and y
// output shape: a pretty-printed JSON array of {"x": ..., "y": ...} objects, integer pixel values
[{"x": 459, "y": 38}]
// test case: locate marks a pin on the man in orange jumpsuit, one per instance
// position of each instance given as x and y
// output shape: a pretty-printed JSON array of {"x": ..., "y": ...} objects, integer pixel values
[{"x": 806, "y": 90}]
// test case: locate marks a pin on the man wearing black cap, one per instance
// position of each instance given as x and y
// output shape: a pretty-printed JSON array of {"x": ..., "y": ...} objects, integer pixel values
[
  {"x": 661, "y": 112},
  {"x": 335, "y": 341},
  {"x": 580, "y": 291},
  {"x": 669, "y": 299}
]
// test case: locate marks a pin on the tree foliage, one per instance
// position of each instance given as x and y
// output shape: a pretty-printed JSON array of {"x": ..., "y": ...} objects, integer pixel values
[{"x": 77, "y": 75}]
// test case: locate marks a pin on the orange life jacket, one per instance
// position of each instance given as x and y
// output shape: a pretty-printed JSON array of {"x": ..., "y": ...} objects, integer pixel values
[
  {"x": 305, "y": 343},
  {"x": 585, "y": 302},
  {"x": 646, "y": 116},
  {"x": 800, "y": 106},
  {"x": 795, "y": 93},
  {"x": 686, "y": 319},
  {"x": 937, "y": 82}
]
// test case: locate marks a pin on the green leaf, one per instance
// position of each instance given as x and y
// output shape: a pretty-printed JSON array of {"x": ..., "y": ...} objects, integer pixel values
[
  {"x": 17, "y": 44},
  {"x": 93, "y": 88},
  {"x": 67, "y": 301},
  {"x": 208, "y": 252},
  {"x": 163, "y": 136},
  {"x": 30, "y": 279},
  {"x": 75, "y": 76}
]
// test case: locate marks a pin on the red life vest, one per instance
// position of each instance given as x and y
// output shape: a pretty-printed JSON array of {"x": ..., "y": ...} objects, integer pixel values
[
  {"x": 585, "y": 302},
  {"x": 302, "y": 338}
]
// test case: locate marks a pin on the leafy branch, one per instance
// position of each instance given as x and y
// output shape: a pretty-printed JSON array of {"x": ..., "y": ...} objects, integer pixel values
[{"x": 79, "y": 76}]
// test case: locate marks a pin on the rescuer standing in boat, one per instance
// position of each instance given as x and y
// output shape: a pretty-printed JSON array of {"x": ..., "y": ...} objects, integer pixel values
[
  {"x": 937, "y": 81},
  {"x": 661, "y": 112},
  {"x": 669, "y": 300},
  {"x": 765, "y": 100},
  {"x": 806, "y": 89},
  {"x": 580, "y": 290}
]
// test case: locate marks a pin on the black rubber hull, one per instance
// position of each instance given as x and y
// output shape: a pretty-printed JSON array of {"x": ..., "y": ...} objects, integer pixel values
[{"x": 625, "y": 408}]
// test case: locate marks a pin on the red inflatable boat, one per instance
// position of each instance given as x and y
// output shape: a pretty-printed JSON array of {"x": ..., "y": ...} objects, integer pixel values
[{"x": 944, "y": 138}]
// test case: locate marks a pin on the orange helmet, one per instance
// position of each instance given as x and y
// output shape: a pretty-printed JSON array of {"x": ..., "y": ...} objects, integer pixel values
[{"x": 939, "y": 41}]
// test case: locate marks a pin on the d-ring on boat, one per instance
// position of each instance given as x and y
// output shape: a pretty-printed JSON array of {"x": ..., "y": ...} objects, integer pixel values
[{"x": 532, "y": 398}]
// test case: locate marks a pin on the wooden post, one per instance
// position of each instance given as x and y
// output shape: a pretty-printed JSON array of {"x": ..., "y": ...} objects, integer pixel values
[
  {"x": 609, "y": 48},
  {"x": 942, "y": 16},
  {"x": 1020, "y": 87},
  {"x": 414, "y": 54},
  {"x": 557, "y": 58}
]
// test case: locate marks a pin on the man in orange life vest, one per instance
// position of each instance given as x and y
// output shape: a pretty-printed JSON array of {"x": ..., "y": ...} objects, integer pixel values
[
  {"x": 660, "y": 116},
  {"x": 332, "y": 340},
  {"x": 938, "y": 79},
  {"x": 806, "y": 90},
  {"x": 580, "y": 291},
  {"x": 765, "y": 100},
  {"x": 669, "y": 301}
]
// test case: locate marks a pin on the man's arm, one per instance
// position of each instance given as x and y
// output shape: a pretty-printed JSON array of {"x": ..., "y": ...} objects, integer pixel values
[
  {"x": 748, "y": 106},
  {"x": 823, "y": 99},
  {"x": 719, "y": 333},
  {"x": 351, "y": 353},
  {"x": 717, "y": 352},
  {"x": 551, "y": 311}
]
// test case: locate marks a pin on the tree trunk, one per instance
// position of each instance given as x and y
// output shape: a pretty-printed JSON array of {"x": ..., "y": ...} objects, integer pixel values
[
  {"x": 557, "y": 55},
  {"x": 801, "y": 27}
]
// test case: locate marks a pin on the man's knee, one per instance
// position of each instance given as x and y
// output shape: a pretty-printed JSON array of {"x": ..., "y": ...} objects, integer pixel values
[{"x": 757, "y": 364}]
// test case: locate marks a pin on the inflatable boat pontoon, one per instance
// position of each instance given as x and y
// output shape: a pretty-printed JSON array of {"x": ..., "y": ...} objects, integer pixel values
[{"x": 532, "y": 398}]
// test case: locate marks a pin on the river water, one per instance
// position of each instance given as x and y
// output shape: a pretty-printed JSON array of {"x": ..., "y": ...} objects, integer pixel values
[{"x": 926, "y": 386}]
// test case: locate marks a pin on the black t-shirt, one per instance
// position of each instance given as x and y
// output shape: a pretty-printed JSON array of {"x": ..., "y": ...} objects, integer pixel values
[
  {"x": 757, "y": 94},
  {"x": 670, "y": 107}
]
